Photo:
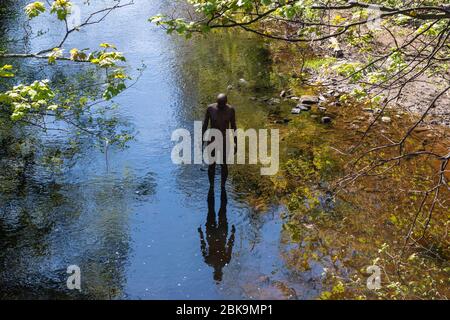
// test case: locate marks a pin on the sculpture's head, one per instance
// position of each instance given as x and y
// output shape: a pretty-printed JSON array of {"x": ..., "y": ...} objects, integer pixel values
[{"x": 222, "y": 100}]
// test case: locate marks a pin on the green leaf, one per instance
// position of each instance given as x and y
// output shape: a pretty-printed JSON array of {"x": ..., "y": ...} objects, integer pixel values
[
  {"x": 54, "y": 55},
  {"x": 5, "y": 71},
  {"x": 61, "y": 8},
  {"x": 34, "y": 9}
]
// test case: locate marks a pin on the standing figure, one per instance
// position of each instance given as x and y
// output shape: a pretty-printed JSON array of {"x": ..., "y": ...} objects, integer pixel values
[{"x": 222, "y": 117}]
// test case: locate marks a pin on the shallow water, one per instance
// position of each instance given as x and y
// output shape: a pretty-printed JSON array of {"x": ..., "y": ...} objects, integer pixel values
[{"x": 133, "y": 226}]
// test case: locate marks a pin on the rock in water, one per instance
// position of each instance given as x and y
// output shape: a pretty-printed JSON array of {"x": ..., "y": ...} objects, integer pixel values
[
  {"x": 273, "y": 101},
  {"x": 309, "y": 100},
  {"x": 338, "y": 53},
  {"x": 243, "y": 83},
  {"x": 303, "y": 107},
  {"x": 386, "y": 119},
  {"x": 326, "y": 120}
]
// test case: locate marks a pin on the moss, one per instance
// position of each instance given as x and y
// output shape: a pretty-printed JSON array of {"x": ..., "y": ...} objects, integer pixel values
[{"x": 317, "y": 63}]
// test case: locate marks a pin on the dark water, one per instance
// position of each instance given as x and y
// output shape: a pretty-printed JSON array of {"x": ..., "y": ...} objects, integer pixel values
[{"x": 134, "y": 229}]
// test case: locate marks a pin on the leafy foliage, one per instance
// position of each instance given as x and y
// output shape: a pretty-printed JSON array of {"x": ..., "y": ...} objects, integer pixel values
[
  {"x": 85, "y": 110},
  {"x": 34, "y": 9},
  {"x": 5, "y": 71},
  {"x": 61, "y": 8},
  {"x": 356, "y": 23},
  {"x": 28, "y": 99}
]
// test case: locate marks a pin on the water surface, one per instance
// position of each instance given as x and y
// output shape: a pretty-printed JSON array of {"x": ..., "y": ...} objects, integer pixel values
[{"x": 133, "y": 225}]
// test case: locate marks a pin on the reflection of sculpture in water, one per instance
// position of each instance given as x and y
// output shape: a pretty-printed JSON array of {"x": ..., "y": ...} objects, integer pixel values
[{"x": 218, "y": 254}]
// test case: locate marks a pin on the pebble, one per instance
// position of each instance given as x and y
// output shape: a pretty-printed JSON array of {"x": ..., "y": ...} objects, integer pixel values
[
  {"x": 243, "y": 82},
  {"x": 274, "y": 101},
  {"x": 303, "y": 107},
  {"x": 326, "y": 120},
  {"x": 309, "y": 100},
  {"x": 386, "y": 119}
]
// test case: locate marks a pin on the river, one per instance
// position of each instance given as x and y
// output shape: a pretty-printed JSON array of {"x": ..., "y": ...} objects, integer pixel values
[{"x": 132, "y": 225}]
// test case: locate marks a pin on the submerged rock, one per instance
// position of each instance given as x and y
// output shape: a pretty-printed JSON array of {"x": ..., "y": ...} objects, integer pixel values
[
  {"x": 298, "y": 109},
  {"x": 309, "y": 100},
  {"x": 274, "y": 101},
  {"x": 326, "y": 120},
  {"x": 338, "y": 53},
  {"x": 243, "y": 83},
  {"x": 386, "y": 119},
  {"x": 421, "y": 129},
  {"x": 303, "y": 107},
  {"x": 337, "y": 94},
  {"x": 265, "y": 288}
]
